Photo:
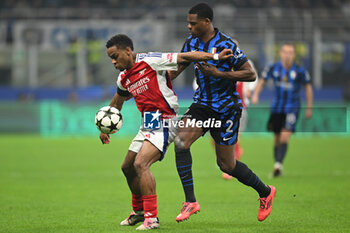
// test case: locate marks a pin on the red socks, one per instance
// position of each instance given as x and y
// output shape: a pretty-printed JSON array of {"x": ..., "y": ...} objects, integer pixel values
[
  {"x": 150, "y": 206},
  {"x": 147, "y": 203},
  {"x": 137, "y": 202}
]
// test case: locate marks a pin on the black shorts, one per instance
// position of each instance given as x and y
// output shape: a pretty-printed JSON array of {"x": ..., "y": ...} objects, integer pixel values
[
  {"x": 279, "y": 121},
  {"x": 225, "y": 133}
]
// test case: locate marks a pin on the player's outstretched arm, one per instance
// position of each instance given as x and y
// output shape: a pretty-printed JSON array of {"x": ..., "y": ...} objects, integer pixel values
[
  {"x": 118, "y": 101},
  {"x": 246, "y": 72},
  {"x": 181, "y": 67},
  {"x": 309, "y": 100},
  {"x": 197, "y": 56}
]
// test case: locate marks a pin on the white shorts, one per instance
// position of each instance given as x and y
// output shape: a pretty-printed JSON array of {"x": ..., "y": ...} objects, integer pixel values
[{"x": 160, "y": 138}]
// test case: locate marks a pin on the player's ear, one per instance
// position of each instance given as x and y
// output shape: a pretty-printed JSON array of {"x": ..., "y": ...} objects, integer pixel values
[
  {"x": 128, "y": 51},
  {"x": 207, "y": 21}
]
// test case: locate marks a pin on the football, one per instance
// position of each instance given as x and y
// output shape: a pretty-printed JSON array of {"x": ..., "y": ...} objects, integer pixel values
[{"x": 108, "y": 120}]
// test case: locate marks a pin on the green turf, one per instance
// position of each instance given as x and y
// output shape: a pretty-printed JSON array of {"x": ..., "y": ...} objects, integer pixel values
[{"x": 76, "y": 185}]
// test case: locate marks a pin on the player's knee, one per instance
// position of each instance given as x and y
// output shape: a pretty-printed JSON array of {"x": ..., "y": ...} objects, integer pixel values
[
  {"x": 140, "y": 166},
  {"x": 284, "y": 139},
  {"x": 225, "y": 166}
]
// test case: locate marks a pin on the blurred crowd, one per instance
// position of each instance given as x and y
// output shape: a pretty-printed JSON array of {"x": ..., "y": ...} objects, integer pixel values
[{"x": 168, "y": 3}]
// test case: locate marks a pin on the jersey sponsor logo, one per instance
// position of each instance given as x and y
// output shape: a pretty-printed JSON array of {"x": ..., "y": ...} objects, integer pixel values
[
  {"x": 139, "y": 87},
  {"x": 151, "y": 120}
]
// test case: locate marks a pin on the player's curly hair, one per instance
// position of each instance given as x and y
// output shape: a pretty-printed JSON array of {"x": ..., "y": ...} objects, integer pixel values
[
  {"x": 203, "y": 11},
  {"x": 121, "y": 41}
]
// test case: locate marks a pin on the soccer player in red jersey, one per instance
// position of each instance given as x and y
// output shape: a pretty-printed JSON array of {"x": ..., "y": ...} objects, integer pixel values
[{"x": 144, "y": 77}]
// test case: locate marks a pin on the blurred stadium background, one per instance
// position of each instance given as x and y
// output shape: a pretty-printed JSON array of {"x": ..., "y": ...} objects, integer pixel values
[
  {"x": 53, "y": 51},
  {"x": 55, "y": 75}
]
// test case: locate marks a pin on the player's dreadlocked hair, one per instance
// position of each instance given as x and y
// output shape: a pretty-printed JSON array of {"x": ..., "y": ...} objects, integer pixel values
[
  {"x": 203, "y": 11},
  {"x": 121, "y": 41}
]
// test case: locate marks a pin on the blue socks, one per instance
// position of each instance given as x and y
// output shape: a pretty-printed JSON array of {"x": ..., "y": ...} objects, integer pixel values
[
  {"x": 247, "y": 177},
  {"x": 184, "y": 169},
  {"x": 280, "y": 152}
]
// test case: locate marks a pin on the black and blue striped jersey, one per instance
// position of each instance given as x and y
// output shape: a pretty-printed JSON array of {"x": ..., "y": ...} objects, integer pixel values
[
  {"x": 217, "y": 93},
  {"x": 287, "y": 85}
]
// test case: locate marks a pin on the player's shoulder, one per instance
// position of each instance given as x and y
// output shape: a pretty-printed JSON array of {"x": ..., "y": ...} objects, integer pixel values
[
  {"x": 224, "y": 38},
  {"x": 121, "y": 79},
  {"x": 121, "y": 74},
  {"x": 300, "y": 69}
]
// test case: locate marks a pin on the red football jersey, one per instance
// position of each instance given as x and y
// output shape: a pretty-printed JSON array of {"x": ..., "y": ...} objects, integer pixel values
[{"x": 149, "y": 83}]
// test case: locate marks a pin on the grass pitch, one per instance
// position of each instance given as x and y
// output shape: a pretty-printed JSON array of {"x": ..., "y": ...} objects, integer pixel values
[{"x": 76, "y": 185}]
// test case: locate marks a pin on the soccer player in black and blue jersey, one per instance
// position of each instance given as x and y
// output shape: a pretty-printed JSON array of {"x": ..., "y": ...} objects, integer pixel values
[
  {"x": 288, "y": 79},
  {"x": 216, "y": 97}
]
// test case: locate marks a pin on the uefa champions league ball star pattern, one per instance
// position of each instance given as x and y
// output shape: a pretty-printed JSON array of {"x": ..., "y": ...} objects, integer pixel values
[{"x": 108, "y": 120}]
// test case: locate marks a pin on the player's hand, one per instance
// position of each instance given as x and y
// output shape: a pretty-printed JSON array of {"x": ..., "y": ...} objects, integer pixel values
[
  {"x": 308, "y": 113},
  {"x": 105, "y": 138},
  {"x": 255, "y": 99},
  {"x": 207, "y": 69},
  {"x": 225, "y": 54}
]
